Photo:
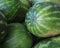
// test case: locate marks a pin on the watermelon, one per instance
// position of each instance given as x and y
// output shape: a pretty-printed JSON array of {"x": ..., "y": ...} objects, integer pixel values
[
  {"x": 51, "y": 43},
  {"x": 43, "y": 19},
  {"x": 9, "y": 7},
  {"x": 24, "y": 4},
  {"x": 3, "y": 26},
  {"x": 21, "y": 13},
  {"x": 39, "y": 1},
  {"x": 17, "y": 37}
]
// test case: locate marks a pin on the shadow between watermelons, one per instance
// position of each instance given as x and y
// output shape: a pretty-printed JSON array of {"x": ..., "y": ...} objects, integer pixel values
[
  {"x": 19, "y": 16},
  {"x": 37, "y": 39}
]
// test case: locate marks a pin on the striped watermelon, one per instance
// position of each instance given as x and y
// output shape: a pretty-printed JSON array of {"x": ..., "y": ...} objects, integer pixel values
[
  {"x": 43, "y": 19},
  {"x": 17, "y": 37},
  {"x": 39, "y": 1},
  {"x": 9, "y": 7},
  {"x": 2, "y": 26},
  {"x": 21, "y": 13},
  {"x": 51, "y": 43}
]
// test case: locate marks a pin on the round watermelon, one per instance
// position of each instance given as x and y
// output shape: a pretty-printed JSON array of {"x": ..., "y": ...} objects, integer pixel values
[
  {"x": 9, "y": 7},
  {"x": 51, "y": 43},
  {"x": 3, "y": 26},
  {"x": 39, "y": 1},
  {"x": 43, "y": 19},
  {"x": 17, "y": 37}
]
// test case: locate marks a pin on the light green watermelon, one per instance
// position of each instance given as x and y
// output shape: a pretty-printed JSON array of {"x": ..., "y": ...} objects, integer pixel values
[
  {"x": 17, "y": 37},
  {"x": 9, "y": 7},
  {"x": 43, "y": 19},
  {"x": 39, "y": 1},
  {"x": 3, "y": 26},
  {"x": 51, "y": 43}
]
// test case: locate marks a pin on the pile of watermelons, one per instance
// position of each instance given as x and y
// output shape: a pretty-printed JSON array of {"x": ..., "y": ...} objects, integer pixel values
[{"x": 29, "y": 23}]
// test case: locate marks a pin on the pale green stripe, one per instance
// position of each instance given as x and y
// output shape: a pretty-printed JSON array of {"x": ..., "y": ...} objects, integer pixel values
[
  {"x": 44, "y": 26},
  {"x": 45, "y": 45},
  {"x": 7, "y": 2},
  {"x": 19, "y": 41},
  {"x": 24, "y": 4},
  {"x": 2, "y": 14},
  {"x": 14, "y": 37},
  {"x": 1, "y": 22},
  {"x": 36, "y": 31},
  {"x": 38, "y": 28},
  {"x": 39, "y": 19},
  {"x": 43, "y": 9},
  {"x": 10, "y": 8},
  {"x": 32, "y": 29},
  {"x": 28, "y": 24},
  {"x": 51, "y": 18},
  {"x": 49, "y": 13},
  {"x": 14, "y": 7},
  {"x": 36, "y": 6},
  {"x": 24, "y": 7}
]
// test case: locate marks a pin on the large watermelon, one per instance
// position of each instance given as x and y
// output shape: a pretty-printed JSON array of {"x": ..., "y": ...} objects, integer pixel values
[
  {"x": 17, "y": 37},
  {"x": 39, "y": 1},
  {"x": 43, "y": 19},
  {"x": 51, "y": 43},
  {"x": 9, "y": 7},
  {"x": 3, "y": 26}
]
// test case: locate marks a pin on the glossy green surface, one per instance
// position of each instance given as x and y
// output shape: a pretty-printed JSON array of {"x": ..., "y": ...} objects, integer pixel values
[
  {"x": 9, "y": 7},
  {"x": 51, "y": 43},
  {"x": 17, "y": 37},
  {"x": 43, "y": 19},
  {"x": 39, "y": 1}
]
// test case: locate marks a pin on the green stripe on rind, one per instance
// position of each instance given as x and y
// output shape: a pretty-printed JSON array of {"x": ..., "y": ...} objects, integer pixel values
[
  {"x": 51, "y": 43},
  {"x": 20, "y": 14},
  {"x": 9, "y": 7},
  {"x": 40, "y": 1},
  {"x": 40, "y": 17},
  {"x": 24, "y": 4}
]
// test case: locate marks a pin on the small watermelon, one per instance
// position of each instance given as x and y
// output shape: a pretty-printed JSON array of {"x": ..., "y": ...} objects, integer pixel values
[
  {"x": 43, "y": 19},
  {"x": 51, "y": 43},
  {"x": 9, "y": 7},
  {"x": 17, "y": 37},
  {"x": 3, "y": 26},
  {"x": 39, "y": 1}
]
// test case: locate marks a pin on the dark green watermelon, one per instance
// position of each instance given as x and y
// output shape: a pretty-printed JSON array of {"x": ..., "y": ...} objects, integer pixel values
[
  {"x": 43, "y": 19},
  {"x": 3, "y": 26},
  {"x": 9, "y": 7},
  {"x": 17, "y": 37},
  {"x": 51, "y": 43},
  {"x": 39, "y": 1},
  {"x": 21, "y": 13}
]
